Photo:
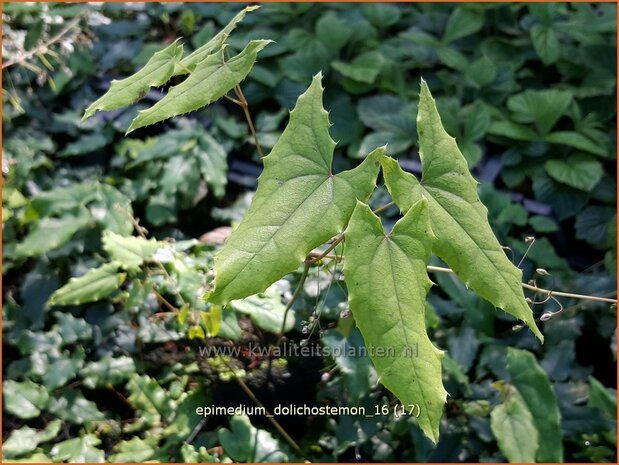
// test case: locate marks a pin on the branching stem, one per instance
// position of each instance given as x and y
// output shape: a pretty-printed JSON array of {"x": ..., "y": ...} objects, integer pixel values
[
  {"x": 269, "y": 416},
  {"x": 42, "y": 48},
  {"x": 242, "y": 102},
  {"x": 295, "y": 296}
]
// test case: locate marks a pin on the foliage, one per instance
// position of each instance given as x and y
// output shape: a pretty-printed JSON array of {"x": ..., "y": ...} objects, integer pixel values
[{"x": 527, "y": 90}]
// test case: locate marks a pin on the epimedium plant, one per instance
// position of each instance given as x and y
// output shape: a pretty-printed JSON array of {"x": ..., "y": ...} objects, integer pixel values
[{"x": 300, "y": 204}]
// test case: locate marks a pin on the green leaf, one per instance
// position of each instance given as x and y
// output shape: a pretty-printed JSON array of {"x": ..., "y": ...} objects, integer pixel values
[
  {"x": 90, "y": 287},
  {"x": 26, "y": 439},
  {"x": 130, "y": 251},
  {"x": 108, "y": 371},
  {"x": 211, "y": 158},
  {"x": 364, "y": 68},
  {"x": 578, "y": 141},
  {"x": 513, "y": 131},
  {"x": 87, "y": 144},
  {"x": 381, "y": 15},
  {"x": 73, "y": 407},
  {"x": 460, "y": 221},
  {"x": 513, "y": 427},
  {"x": 298, "y": 197},
  {"x": 63, "y": 368},
  {"x": 112, "y": 210},
  {"x": 543, "y": 224},
  {"x": 156, "y": 72},
  {"x": 462, "y": 22},
  {"x": 566, "y": 201},
  {"x": 266, "y": 310},
  {"x": 481, "y": 72},
  {"x": 579, "y": 171},
  {"x": 49, "y": 234},
  {"x": 24, "y": 400},
  {"x": 81, "y": 449},
  {"x": 212, "y": 78},
  {"x": 542, "y": 107},
  {"x": 245, "y": 443},
  {"x": 149, "y": 399},
  {"x": 546, "y": 43},
  {"x": 212, "y": 320},
  {"x": 536, "y": 391},
  {"x": 190, "y": 62},
  {"x": 602, "y": 399},
  {"x": 135, "y": 450},
  {"x": 332, "y": 31},
  {"x": 592, "y": 225},
  {"x": 387, "y": 284},
  {"x": 71, "y": 329}
]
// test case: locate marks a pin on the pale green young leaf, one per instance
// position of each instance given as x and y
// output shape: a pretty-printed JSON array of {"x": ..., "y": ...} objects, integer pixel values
[
  {"x": 81, "y": 449},
  {"x": 24, "y": 400},
  {"x": 265, "y": 309},
  {"x": 189, "y": 63},
  {"x": 129, "y": 251},
  {"x": 514, "y": 429},
  {"x": 94, "y": 285},
  {"x": 212, "y": 78},
  {"x": 156, "y": 72},
  {"x": 26, "y": 439},
  {"x": 534, "y": 387},
  {"x": 299, "y": 204},
  {"x": 387, "y": 285},
  {"x": 460, "y": 221}
]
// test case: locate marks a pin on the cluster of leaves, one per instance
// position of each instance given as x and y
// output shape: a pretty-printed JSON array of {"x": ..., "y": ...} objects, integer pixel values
[{"x": 70, "y": 189}]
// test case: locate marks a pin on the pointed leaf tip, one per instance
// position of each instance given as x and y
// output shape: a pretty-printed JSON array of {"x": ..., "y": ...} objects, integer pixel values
[
  {"x": 390, "y": 312},
  {"x": 208, "y": 82},
  {"x": 465, "y": 239},
  {"x": 298, "y": 197}
]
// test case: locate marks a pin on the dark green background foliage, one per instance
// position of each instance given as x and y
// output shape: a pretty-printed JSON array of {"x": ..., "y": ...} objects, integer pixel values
[{"x": 529, "y": 91}]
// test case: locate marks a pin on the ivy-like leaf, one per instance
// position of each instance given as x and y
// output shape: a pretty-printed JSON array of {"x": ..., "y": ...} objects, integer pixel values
[
  {"x": 189, "y": 63},
  {"x": 156, "y": 72},
  {"x": 93, "y": 286},
  {"x": 513, "y": 427},
  {"x": 49, "y": 234},
  {"x": 387, "y": 284},
  {"x": 26, "y": 439},
  {"x": 533, "y": 385},
  {"x": 298, "y": 206},
  {"x": 460, "y": 221},
  {"x": 130, "y": 251},
  {"x": 212, "y": 78},
  {"x": 245, "y": 443},
  {"x": 24, "y": 400}
]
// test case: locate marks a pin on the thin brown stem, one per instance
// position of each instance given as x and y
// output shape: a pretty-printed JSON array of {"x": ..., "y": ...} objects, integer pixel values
[
  {"x": 295, "y": 296},
  {"x": 384, "y": 207},
  {"x": 44, "y": 46},
  {"x": 142, "y": 232},
  {"x": 233, "y": 100},
  {"x": 242, "y": 102},
  {"x": 549, "y": 292},
  {"x": 337, "y": 241},
  {"x": 339, "y": 238},
  {"x": 568, "y": 294},
  {"x": 165, "y": 302},
  {"x": 269, "y": 416}
]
